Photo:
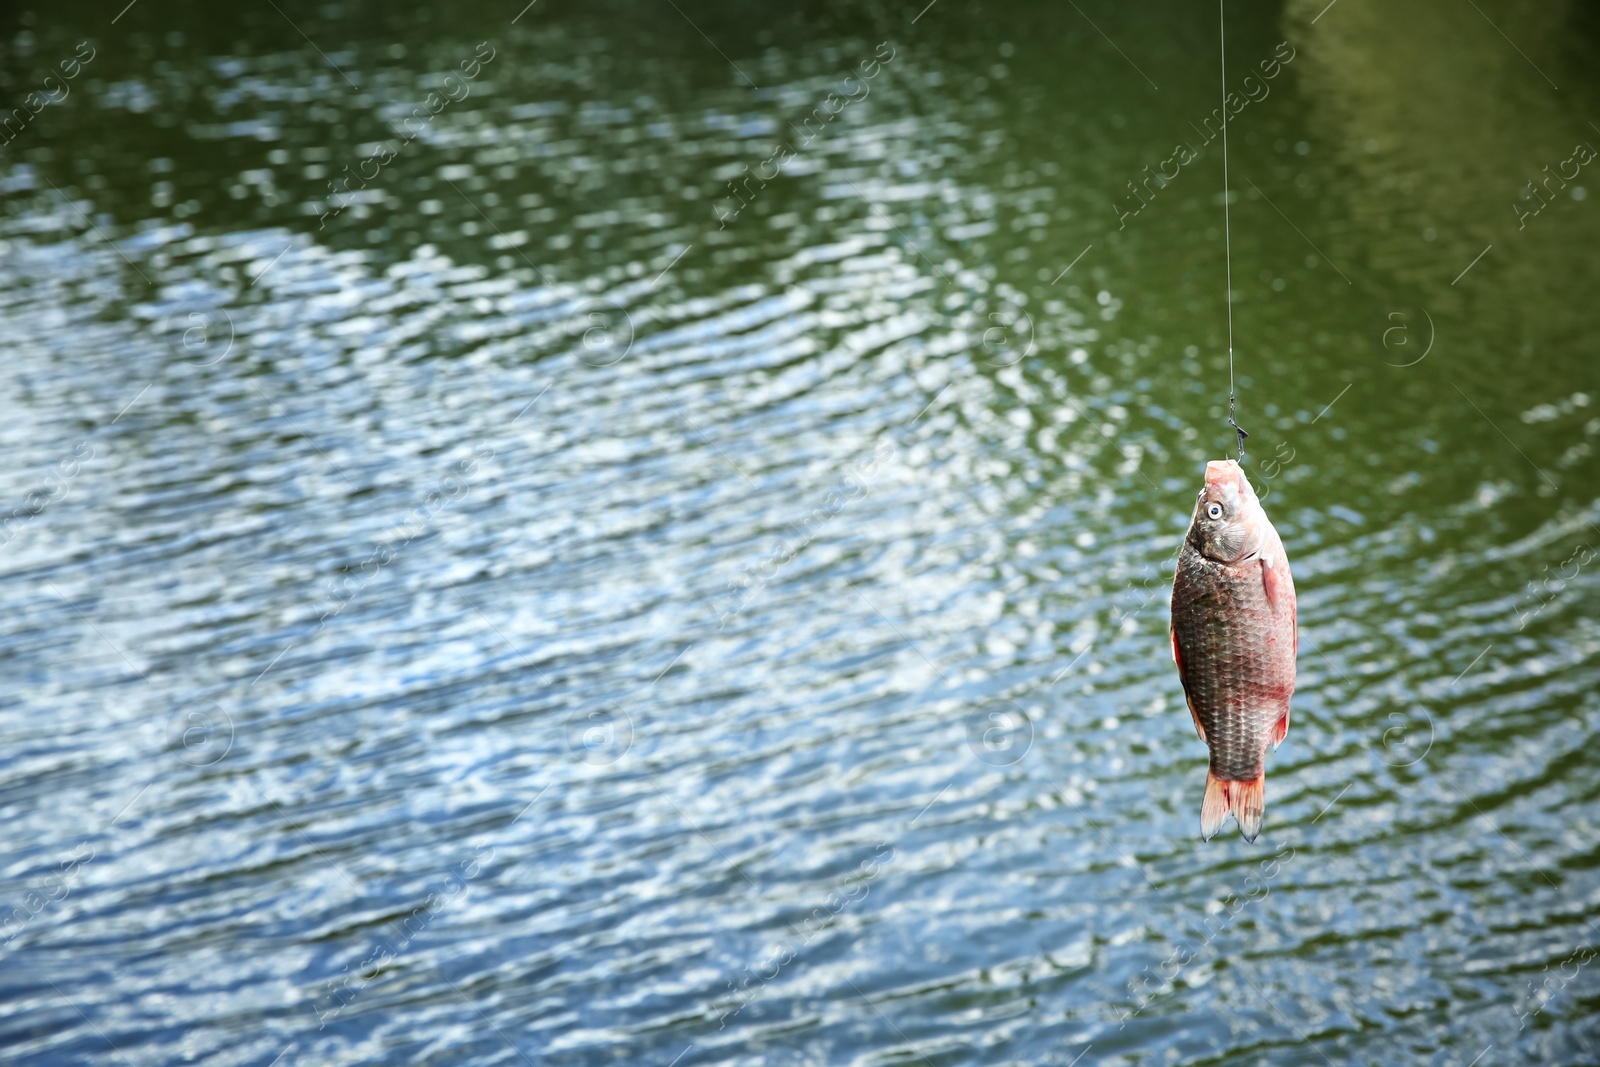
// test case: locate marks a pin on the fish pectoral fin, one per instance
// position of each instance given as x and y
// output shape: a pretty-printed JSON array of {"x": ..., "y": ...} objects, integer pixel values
[
  {"x": 1281, "y": 730},
  {"x": 1271, "y": 582}
]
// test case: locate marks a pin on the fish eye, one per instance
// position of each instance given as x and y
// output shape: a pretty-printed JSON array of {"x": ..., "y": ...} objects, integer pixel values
[{"x": 1213, "y": 510}]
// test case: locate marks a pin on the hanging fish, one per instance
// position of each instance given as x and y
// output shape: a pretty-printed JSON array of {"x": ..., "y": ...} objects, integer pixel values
[{"x": 1234, "y": 641}]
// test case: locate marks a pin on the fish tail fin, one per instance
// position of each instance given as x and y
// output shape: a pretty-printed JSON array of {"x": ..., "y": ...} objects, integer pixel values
[
  {"x": 1214, "y": 808},
  {"x": 1245, "y": 801},
  {"x": 1249, "y": 800}
]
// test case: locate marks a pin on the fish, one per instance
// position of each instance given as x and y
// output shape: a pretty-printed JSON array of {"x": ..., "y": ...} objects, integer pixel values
[{"x": 1235, "y": 636}]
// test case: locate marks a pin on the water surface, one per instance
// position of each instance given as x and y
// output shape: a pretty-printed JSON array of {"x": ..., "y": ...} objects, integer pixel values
[{"x": 570, "y": 601}]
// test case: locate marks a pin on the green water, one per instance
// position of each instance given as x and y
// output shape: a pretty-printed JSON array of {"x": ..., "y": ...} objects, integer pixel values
[{"x": 669, "y": 564}]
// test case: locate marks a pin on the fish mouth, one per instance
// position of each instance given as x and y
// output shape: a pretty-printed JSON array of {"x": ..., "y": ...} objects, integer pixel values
[{"x": 1225, "y": 475}]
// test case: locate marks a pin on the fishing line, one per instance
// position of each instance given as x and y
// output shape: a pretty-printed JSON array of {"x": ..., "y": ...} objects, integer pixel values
[{"x": 1227, "y": 238}]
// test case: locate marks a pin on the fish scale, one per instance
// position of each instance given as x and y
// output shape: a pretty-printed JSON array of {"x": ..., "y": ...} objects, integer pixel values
[{"x": 1234, "y": 640}]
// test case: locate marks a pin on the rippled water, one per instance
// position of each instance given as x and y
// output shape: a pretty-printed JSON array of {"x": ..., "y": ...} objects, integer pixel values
[{"x": 506, "y": 614}]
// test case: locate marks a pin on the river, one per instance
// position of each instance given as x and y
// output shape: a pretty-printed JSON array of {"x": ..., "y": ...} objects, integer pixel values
[{"x": 641, "y": 534}]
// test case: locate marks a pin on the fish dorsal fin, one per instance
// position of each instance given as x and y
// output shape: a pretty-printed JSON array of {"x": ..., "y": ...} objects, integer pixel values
[{"x": 1177, "y": 657}]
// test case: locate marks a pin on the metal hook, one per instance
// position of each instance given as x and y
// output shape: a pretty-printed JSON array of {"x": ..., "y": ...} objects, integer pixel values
[{"x": 1240, "y": 430}]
